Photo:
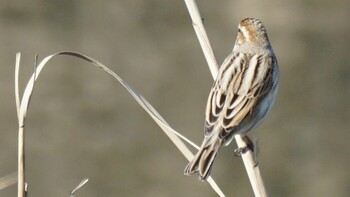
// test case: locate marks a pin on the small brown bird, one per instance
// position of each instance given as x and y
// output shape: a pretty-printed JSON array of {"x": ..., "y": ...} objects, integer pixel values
[{"x": 242, "y": 94}]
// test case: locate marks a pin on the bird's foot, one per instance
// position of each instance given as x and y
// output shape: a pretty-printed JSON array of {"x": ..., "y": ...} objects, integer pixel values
[
  {"x": 239, "y": 151},
  {"x": 250, "y": 146}
]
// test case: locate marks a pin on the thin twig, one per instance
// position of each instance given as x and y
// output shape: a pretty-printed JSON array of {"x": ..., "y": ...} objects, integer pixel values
[{"x": 252, "y": 168}]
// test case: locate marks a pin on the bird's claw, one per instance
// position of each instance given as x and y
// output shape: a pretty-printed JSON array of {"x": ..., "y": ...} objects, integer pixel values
[{"x": 239, "y": 151}]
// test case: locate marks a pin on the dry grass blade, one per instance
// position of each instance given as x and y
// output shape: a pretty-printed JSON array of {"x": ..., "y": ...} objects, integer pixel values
[
  {"x": 171, "y": 133},
  {"x": 17, "y": 97},
  {"x": 81, "y": 184},
  {"x": 8, "y": 180}
]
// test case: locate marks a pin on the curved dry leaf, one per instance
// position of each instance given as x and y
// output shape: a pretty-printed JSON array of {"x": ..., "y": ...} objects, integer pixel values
[{"x": 170, "y": 132}]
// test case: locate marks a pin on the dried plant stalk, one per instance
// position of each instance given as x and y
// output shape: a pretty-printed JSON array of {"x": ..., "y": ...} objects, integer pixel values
[{"x": 250, "y": 164}]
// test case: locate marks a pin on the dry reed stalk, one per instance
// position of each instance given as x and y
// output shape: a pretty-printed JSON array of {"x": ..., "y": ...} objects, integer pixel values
[{"x": 248, "y": 157}]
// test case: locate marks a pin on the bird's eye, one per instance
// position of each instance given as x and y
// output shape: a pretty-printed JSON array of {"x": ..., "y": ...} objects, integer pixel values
[{"x": 239, "y": 30}]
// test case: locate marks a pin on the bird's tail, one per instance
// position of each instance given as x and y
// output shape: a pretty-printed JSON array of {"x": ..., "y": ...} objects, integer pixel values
[{"x": 203, "y": 160}]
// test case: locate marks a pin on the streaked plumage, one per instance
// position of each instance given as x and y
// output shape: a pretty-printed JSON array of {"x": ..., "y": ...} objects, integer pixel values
[{"x": 241, "y": 96}]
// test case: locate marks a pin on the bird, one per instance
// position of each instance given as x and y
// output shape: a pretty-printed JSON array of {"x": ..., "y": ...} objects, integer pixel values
[{"x": 241, "y": 96}]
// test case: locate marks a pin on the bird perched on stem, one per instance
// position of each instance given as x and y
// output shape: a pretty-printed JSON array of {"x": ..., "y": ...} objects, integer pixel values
[{"x": 242, "y": 94}]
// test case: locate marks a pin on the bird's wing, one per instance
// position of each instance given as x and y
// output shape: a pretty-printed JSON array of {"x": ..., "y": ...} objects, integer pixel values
[{"x": 242, "y": 81}]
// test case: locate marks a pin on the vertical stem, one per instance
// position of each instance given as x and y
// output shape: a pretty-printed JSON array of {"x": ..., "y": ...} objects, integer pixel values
[{"x": 21, "y": 180}]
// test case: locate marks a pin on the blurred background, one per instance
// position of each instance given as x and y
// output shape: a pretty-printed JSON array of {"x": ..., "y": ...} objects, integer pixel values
[{"x": 81, "y": 123}]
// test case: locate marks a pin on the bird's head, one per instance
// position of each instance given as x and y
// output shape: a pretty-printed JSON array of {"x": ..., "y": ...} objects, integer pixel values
[{"x": 252, "y": 32}]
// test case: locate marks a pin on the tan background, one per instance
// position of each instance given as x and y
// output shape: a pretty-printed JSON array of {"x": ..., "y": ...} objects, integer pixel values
[{"x": 83, "y": 124}]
